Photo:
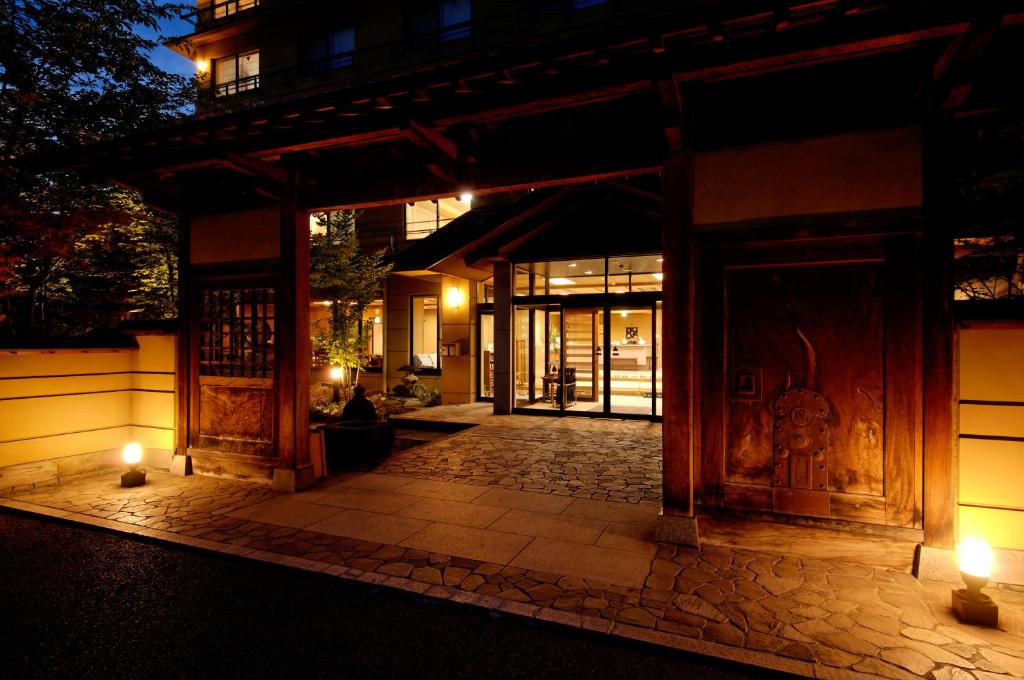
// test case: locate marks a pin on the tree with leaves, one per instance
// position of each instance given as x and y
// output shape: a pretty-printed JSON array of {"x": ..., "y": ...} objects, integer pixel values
[
  {"x": 75, "y": 256},
  {"x": 349, "y": 280}
]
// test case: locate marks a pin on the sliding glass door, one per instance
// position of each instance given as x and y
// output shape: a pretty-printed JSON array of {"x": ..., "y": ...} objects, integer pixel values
[
  {"x": 631, "y": 360},
  {"x": 599, "y": 360}
]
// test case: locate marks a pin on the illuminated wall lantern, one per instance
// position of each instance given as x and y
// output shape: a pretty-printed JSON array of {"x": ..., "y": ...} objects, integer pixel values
[
  {"x": 132, "y": 456},
  {"x": 202, "y": 67},
  {"x": 970, "y": 604},
  {"x": 454, "y": 297}
]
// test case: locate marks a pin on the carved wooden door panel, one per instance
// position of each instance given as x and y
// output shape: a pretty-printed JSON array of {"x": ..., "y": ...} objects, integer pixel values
[{"x": 810, "y": 381}]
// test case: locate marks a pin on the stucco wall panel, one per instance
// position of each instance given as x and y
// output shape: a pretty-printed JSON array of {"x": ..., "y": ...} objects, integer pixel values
[{"x": 844, "y": 173}]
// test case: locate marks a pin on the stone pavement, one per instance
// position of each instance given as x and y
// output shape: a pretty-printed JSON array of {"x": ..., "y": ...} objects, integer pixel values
[
  {"x": 553, "y": 518},
  {"x": 614, "y": 460},
  {"x": 582, "y": 562}
]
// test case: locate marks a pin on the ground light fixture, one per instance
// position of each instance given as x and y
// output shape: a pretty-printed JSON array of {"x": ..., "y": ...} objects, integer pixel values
[
  {"x": 970, "y": 604},
  {"x": 335, "y": 374},
  {"x": 131, "y": 454}
]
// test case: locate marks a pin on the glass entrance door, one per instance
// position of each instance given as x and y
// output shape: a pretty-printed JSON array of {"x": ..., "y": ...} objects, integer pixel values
[
  {"x": 581, "y": 388},
  {"x": 632, "y": 361},
  {"x": 602, "y": 360}
]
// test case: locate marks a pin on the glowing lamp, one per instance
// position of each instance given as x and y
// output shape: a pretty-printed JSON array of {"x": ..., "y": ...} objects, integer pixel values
[
  {"x": 466, "y": 197},
  {"x": 202, "y": 66},
  {"x": 976, "y": 557},
  {"x": 454, "y": 297},
  {"x": 335, "y": 374},
  {"x": 970, "y": 604},
  {"x": 132, "y": 456},
  {"x": 376, "y": 319}
]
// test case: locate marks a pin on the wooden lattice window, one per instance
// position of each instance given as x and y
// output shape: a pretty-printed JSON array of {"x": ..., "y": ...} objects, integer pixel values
[{"x": 236, "y": 333}]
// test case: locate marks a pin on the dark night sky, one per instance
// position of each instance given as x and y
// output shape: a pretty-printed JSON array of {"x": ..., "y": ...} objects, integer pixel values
[{"x": 165, "y": 58}]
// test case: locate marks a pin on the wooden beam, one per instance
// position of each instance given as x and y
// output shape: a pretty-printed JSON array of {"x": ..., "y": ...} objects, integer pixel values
[
  {"x": 948, "y": 85},
  {"x": 941, "y": 485},
  {"x": 541, "y": 106},
  {"x": 820, "y": 55},
  {"x": 504, "y": 284},
  {"x": 291, "y": 366},
  {"x": 256, "y": 167},
  {"x": 678, "y": 343},
  {"x": 496, "y": 182},
  {"x": 184, "y": 343}
]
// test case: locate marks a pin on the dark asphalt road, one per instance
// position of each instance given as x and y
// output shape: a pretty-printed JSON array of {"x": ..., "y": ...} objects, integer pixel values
[{"x": 81, "y": 603}]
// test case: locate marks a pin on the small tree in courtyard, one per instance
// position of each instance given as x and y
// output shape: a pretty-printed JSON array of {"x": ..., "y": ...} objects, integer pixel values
[{"x": 350, "y": 281}]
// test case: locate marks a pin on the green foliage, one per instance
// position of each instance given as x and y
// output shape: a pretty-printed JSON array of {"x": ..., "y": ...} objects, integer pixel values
[
  {"x": 76, "y": 256},
  {"x": 349, "y": 280},
  {"x": 426, "y": 397},
  {"x": 990, "y": 211},
  {"x": 321, "y": 407}
]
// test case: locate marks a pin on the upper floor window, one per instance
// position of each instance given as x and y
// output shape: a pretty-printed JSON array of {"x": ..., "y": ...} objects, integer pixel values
[
  {"x": 237, "y": 73},
  {"x": 439, "y": 21},
  {"x": 329, "y": 51},
  {"x": 549, "y": 7},
  {"x": 219, "y": 10},
  {"x": 423, "y": 218}
]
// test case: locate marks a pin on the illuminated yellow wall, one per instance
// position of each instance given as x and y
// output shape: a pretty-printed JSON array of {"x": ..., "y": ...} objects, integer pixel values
[
  {"x": 69, "y": 411},
  {"x": 992, "y": 435}
]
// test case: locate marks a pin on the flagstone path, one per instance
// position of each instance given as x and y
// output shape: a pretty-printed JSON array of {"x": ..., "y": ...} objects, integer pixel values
[{"x": 554, "y": 553}]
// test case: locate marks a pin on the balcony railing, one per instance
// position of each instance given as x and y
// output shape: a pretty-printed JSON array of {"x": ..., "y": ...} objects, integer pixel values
[
  {"x": 221, "y": 10},
  {"x": 236, "y": 86}
]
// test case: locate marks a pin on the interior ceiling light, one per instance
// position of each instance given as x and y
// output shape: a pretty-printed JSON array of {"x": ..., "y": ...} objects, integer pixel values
[
  {"x": 658, "y": 276},
  {"x": 562, "y": 281},
  {"x": 661, "y": 259},
  {"x": 572, "y": 264},
  {"x": 588, "y": 272}
]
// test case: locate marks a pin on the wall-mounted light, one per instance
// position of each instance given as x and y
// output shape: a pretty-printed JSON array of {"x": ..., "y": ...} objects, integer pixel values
[
  {"x": 131, "y": 454},
  {"x": 658, "y": 276},
  {"x": 202, "y": 66},
  {"x": 970, "y": 604},
  {"x": 376, "y": 319},
  {"x": 466, "y": 197},
  {"x": 624, "y": 314},
  {"x": 454, "y": 297}
]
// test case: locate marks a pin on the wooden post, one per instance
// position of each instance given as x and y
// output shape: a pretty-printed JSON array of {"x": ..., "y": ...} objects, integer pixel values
[
  {"x": 941, "y": 484},
  {"x": 503, "y": 376},
  {"x": 291, "y": 329},
  {"x": 181, "y": 464},
  {"x": 677, "y": 523}
]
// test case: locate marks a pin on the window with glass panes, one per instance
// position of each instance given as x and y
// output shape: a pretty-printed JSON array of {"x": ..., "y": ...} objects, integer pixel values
[
  {"x": 442, "y": 21},
  {"x": 423, "y": 218},
  {"x": 330, "y": 51},
  {"x": 237, "y": 73}
]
